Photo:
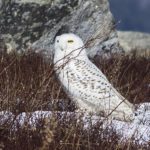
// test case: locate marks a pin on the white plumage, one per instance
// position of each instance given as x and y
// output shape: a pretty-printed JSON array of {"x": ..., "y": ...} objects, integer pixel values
[{"x": 85, "y": 83}]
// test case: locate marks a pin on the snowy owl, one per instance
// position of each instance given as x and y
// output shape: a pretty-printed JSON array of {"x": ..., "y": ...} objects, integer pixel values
[{"x": 85, "y": 84}]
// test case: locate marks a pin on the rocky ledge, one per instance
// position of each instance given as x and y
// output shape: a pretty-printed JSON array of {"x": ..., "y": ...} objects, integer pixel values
[{"x": 135, "y": 42}]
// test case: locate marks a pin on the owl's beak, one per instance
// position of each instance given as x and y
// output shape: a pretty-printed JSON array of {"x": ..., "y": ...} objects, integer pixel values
[{"x": 63, "y": 47}]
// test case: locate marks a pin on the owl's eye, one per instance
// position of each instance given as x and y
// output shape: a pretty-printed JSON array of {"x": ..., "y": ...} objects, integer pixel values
[
  {"x": 57, "y": 41},
  {"x": 70, "y": 41}
]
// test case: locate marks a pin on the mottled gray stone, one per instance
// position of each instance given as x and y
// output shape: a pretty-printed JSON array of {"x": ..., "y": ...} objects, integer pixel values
[
  {"x": 40, "y": 2},
  {"x": 36, "y": 24},
  {"x": 1, "y": 4},
  {"x": 7, "y": 43},
  {"x": 135, "y": 42},
  {"x": 89, "y": 19},
  {"x": 27, "y": 21}
]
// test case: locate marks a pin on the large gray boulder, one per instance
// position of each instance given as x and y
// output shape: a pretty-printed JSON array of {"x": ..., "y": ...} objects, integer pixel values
[
  {"x": 36, "y": 23},
  {"x": 90, "y": 19},
  {"x": 135, "y": 42}
]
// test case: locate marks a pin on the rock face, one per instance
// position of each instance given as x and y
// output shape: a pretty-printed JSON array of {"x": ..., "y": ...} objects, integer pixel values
[
  {"x": 23, "y": 21},
  {"x": 36, "y": 23},
  {"x": 135, "y": 42}
]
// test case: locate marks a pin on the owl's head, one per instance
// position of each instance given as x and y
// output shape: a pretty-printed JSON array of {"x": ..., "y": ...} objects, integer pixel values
[{"x": 68, "y": 45}]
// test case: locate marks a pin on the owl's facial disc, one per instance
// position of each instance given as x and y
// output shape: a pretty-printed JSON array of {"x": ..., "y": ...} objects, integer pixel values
[{"x": 68, "y": 44}]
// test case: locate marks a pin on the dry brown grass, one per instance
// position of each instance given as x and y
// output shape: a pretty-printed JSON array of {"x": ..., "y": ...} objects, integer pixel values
[
  {"x": 129, "y": 74},
  {"x": 28, "y": 83}
]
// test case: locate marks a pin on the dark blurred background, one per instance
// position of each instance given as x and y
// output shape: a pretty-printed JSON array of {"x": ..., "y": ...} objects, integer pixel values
[{"x": 132, "y": 15}]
